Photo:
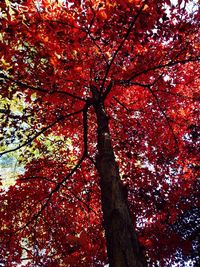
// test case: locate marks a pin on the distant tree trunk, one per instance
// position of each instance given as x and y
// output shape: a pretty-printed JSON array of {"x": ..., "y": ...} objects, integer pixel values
[{"x": 122, "y": 244}]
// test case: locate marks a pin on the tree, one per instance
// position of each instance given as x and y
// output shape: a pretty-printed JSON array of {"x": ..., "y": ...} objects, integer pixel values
[{"x": 108, "y": 117}]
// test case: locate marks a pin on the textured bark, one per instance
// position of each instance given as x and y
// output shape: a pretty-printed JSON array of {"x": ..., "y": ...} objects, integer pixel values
[{"x": 122, "y": 245}]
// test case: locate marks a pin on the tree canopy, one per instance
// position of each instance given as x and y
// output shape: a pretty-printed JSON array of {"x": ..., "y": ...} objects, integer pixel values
[{"x": 59, "y": 60}]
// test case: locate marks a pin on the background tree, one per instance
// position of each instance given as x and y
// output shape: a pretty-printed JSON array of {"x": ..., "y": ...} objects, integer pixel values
[{"x": 108, "y": 117}]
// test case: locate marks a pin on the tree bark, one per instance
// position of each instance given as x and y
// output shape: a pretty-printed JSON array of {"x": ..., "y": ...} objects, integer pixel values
[{"x": 122, "y": 245}]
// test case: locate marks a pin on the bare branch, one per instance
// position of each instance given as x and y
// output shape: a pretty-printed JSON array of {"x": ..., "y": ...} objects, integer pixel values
[
  {"x": 62, "y": 182},
  {"x": 165, "y": 116},
  {"x": 160, "y": 66},
  {"x": 98, "y": 46},
  {"x": 121, "y": 45},
  {"x": 108, "y": 89},
  {"x": 22, "y": 84},
  {"x": 48, "y": 198},
  {"x": 41, "y": 132},
  {"x": 179, "y": 95},
  {"x": 119, "y": 102},
  {"x": 80, "y": 200},
  {"x": 85, "y": 129},
  {"x": 64, "y": 23},
  {"x": 54, "y": 182},
  {"x": 128, "y": 83},
  {"x": 35, "y": 177}
]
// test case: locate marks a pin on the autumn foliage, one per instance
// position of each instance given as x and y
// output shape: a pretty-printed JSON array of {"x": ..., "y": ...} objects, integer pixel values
[{"x": 59, "y": 59}]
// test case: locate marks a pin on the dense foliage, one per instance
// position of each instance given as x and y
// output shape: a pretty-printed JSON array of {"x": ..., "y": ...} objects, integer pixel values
[{"x": 142, "y": 58}]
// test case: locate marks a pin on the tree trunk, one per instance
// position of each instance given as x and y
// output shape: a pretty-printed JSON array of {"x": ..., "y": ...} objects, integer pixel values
[{"x": 122, "y": 245}]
